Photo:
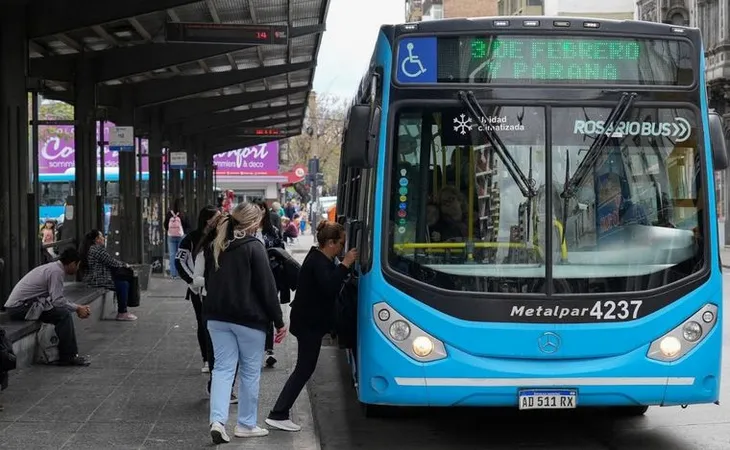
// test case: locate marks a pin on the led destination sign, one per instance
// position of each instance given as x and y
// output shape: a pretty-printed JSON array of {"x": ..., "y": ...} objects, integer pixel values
[
  {"x": 552, "y": 59},
  {"x": 520, "y": 59}
]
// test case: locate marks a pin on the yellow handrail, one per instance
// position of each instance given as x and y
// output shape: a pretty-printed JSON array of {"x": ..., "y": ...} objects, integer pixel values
[
  {"x": 563, "y": 245},
  {"x": 435, "y": 185},
  {"x": 444, "y": 247}
]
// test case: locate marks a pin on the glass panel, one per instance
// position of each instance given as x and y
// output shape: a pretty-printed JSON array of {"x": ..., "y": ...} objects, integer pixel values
[
  {"x": 458, "y": 219},
  {"x": 112, "y": 189},
  {"x": 634, "y": 218}
]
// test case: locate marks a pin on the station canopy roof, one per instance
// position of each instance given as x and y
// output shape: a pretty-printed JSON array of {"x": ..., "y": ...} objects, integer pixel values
[{"x": 157, "y": 56}]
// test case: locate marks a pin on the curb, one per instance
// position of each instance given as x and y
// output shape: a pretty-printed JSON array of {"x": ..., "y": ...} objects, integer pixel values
[
  {"x": 306, "y": 404},
  {"x": 315, "y": 420},
  {"x": 303, "y": 406}
]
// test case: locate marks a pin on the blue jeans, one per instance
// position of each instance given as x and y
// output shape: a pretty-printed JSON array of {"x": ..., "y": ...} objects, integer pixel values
[
  {"x": 121, "y": 287},
  {"x": 235, "y": 344},
  {"x": 173, "y": 243}
]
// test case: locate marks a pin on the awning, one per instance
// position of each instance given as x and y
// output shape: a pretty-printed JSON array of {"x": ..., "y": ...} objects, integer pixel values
[{"x": 296, "y": 175}]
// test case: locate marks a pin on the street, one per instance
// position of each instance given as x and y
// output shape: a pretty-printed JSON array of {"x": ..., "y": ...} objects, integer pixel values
[{"x": 342, "y": 425}]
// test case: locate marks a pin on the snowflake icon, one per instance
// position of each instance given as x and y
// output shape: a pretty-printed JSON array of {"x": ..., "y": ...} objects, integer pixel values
[{"x": 462, "y": 124}]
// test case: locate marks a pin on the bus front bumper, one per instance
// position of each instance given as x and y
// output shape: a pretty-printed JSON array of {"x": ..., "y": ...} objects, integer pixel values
[{"x": 387, "y": 376}]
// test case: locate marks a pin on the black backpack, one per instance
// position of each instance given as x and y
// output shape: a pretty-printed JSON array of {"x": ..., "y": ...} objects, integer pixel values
[
  {"x": 7, "y": 356},
  {"x": 285, "y": 268}
]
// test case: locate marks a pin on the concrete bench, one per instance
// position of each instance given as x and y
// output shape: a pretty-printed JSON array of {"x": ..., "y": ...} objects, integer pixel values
[{"x": 23, "y": 334}]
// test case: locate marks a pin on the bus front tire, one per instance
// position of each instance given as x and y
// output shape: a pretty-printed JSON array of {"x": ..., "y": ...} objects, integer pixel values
[
  {"x": 376, "y": 411},
  {"x": 629, "y": 411}
]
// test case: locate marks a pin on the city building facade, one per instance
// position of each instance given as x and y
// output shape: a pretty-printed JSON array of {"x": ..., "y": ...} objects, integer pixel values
[
  {"x": 419, "y": 10},
  {"x": 614, "y": 9},
  {"x": 711, "y": 17}
]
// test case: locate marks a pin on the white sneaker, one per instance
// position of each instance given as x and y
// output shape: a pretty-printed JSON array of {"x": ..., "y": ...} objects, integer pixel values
[
  {"x": 284, "y": 425},
  {"x": 243, "y": 432},
  {"x": 205, "y": 368},
  {"x": 218, "y": 433}
]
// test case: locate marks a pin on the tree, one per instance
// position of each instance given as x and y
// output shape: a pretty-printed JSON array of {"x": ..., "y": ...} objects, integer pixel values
[
  {"x": 321, "y": 135},
  {"x": 52, "y": 110}
]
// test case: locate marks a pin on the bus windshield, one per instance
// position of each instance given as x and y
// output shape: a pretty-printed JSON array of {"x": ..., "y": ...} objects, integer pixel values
[{"x": 467, "y": 215}]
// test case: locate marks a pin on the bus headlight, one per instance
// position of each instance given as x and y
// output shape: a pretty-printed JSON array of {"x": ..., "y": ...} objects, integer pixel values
[
  {"x": 684, "y": 337},
  {"x": 422, "y": 346},
  {"x": 670, "y": 346},
  {"x": 409, "y": 338},
  {"x": 692, "y": 331},
  {"x": 399, "y": 330}
]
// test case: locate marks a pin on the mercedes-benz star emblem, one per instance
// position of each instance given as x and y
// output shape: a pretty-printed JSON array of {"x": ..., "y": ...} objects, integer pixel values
[{"x": 549, "y": 342}]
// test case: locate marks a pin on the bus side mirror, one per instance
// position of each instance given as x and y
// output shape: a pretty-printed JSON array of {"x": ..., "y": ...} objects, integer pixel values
[
  {"x": 356, "y": 137},
  {"x": 361, "y": 137},
  {"x": 718, "y": 141}
]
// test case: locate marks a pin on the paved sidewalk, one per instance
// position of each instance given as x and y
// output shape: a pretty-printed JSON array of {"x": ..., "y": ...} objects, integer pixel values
[
  {"x": 302, "y": 245},
  {"x": 725, "y": 257},
  {"x": 144, "y": 389}
]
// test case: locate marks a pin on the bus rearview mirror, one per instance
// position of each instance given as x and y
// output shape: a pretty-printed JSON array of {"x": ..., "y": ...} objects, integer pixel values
[
  {"x": 361, "y": 137},
  {"x": 718, "y": 141}
]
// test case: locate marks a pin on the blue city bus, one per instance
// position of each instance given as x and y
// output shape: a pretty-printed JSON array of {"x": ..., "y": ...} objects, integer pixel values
[
  {"x": 534, "y": 204},
  {"x": 55, "y": 189}
]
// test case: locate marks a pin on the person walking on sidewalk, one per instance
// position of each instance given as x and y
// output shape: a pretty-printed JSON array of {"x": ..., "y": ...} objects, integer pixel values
[
  {"x": 176, "y": 225},
  {"x": 320, "y": 281},
  {"x": 185, "y": 264},
  {"x": 39, "y": 296},
  {"x": 241, "y": 302},
  {"x": 199, "y": 282}
]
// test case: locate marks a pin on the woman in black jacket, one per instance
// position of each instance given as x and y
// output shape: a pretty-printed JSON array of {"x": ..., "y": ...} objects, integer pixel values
[
  {"x": 240, "y": 304},
  {"x": 185, "y": 263},
  {"x": 320, "y": 281}
]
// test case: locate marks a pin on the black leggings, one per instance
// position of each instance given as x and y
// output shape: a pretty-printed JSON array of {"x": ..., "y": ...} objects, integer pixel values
[
  {"x": 204, "y": 341},
  {"x": 307, "y": 355}
]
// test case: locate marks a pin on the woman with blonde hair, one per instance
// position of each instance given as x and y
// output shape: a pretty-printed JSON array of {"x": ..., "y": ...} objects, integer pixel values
[{"x": 241, "y": 303}]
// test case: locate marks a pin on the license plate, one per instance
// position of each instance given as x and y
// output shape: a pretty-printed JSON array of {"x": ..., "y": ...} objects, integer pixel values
[{"x": 547, "y": 399}]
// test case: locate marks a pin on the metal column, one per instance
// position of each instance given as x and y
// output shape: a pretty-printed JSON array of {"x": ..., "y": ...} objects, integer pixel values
[
  {"x": 200, "y": 192},
  {"x": 15, "y": 166},
  {"x": 174, "y": 174},
  {"x": 189, "y": 181},
  {"x": 129, "y": 215},
  {"x": 34, "y": 246},
  {"x": 210, "y": 182},
  {"x": 81, "y": 207},
  {"x": 154, "y": 229}
]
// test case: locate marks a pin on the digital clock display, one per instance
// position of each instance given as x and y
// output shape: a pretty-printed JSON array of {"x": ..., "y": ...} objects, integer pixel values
[
  {"x": 513, "y": 59},
  {"x": 216, "y": 33}
]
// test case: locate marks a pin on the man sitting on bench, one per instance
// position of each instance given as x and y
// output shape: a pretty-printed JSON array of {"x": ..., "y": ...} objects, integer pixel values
[{"x": 39, "y": 296}]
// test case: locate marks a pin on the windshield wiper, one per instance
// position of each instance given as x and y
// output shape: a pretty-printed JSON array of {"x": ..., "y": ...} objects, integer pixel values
[
  {"x": 565, "y": 202},
  {"x": 526, "y": 185},
  {"x": 616, "y": 116}
]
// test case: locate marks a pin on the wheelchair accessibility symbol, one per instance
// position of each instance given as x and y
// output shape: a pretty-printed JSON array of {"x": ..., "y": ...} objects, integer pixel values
[
  {"x": 417, "y": 58},
  {"x": 411, "y": 65}
]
